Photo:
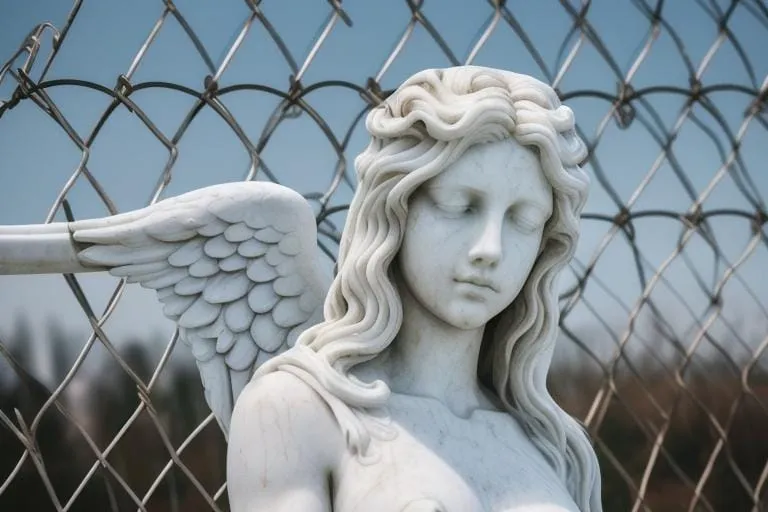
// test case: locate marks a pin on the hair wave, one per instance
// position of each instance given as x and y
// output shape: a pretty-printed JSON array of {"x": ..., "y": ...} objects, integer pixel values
[{"x": 427, "y": 123}]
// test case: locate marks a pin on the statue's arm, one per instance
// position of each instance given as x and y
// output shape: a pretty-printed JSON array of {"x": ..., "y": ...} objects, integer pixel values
[{"x": 283, "y": 446}]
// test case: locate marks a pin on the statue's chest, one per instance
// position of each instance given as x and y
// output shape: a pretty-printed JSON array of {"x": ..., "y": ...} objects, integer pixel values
[{"x": 438, "y": 462}]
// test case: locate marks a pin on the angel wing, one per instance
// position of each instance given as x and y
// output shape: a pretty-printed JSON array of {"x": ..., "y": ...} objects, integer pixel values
[{"x": 236, "y": 266}]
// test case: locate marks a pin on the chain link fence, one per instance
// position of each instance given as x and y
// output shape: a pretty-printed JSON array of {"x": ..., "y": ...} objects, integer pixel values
[{"x": 664, "y": 311}]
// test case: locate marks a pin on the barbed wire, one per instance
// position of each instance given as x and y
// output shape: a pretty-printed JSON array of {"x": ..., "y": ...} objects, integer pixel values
[{"x": 623, "y": 384}]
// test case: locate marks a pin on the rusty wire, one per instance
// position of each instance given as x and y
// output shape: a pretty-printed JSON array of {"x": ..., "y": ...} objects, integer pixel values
[{"x": 630, "y": 107}]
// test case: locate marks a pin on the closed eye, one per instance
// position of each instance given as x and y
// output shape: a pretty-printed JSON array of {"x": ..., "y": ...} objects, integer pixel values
[
  {"x": 452, "y": 201},
  {"x": 526, "y": 224},
  {"x": 527, "y": 219},
  {"x": 455, "y": 208}
]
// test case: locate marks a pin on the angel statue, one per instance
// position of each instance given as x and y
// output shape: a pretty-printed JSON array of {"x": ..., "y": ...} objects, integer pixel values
[{"x": 414, "y": 379}]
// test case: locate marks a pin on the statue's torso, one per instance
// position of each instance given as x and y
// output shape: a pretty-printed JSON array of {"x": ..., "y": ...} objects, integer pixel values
[{"x": 440, "y": 462}]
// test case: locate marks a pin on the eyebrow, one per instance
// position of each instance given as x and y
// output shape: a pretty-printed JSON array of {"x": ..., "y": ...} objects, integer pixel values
[
  {"x": 537, "y": 202},
  {"x": 464, "y": 186}
]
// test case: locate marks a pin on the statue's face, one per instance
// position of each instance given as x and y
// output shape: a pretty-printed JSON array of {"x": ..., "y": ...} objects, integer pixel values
[{"x": 473, "y": 233}]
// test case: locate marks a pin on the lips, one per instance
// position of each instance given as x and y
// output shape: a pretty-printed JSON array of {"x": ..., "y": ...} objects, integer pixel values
[{"x": 477, "y": 281}]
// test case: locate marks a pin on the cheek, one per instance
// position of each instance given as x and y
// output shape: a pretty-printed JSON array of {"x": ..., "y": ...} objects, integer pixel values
[
  {"x": 521, "y": 255},
  {"x": 430, "y": 242},
  {"x": 424, "y": 225},
  {"x": 415, "y": 255},
  {"x": 524, "y": 247}
]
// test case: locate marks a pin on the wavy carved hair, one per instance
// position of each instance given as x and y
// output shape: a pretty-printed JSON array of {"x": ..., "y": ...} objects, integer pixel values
[{"x": 423, "y": 127}]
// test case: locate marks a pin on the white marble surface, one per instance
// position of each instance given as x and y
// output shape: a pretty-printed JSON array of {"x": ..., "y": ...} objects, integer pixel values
[
  {"x": 416, "y": 378},
  {"x": 472, "y": 235},
  {"x": 294, "y": 458},
  {"x": 235, "y": 265},
  {"x": 424, "y": 388}
]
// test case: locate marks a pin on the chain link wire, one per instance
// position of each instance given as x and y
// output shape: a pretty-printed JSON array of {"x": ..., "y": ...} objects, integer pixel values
[{"x": 646, "y": 385}]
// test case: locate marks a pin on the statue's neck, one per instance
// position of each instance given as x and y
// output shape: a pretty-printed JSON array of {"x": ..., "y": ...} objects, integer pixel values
[{"x": 433, "y": 359}]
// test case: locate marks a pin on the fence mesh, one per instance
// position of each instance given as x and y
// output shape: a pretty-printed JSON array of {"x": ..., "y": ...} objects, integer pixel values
[{"x": 664, "y": 309}]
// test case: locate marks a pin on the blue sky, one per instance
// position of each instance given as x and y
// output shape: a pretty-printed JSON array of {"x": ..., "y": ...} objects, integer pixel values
[{"x": 37, "y": 158}]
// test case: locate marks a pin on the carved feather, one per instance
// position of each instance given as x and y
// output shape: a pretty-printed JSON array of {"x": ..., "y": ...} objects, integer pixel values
[
  {"x": 200, "y": 313},
  {"x": 287, "y": 313},
  {"x": 289, "y": 286},
  {"x": 190, "y": 285},
  {"x": 224, "y": 288},
  {"x": 175, "y": 305},
  {"x": 243, "y": 353},
  {"x": 225, "y": 342},
  {"x": 218, "y": 247},
  {"x": 267, "y": 334},
  {"x": 262, "y": 298},
  {"x": 204, "y": 267},
  {"x": 188, "y": 253},
  {"x": 239, "y": 232},
  {"x": 168, "y": 277},
  {"x": 260, "y": 271},
  {"x": 269, "y": 235},
  {"x": 252, "y": 248},
  {"x": 213, "y": 228},
  {"x": 238, "y": 315},
  {"x": 234, "y": 265}
]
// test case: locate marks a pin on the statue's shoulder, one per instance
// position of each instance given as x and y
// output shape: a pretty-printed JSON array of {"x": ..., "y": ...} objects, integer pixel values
[
  {"x": 283, "y": 394},
  {"x": 283, "y": 446},
  {"x": 280, "y": 407}
]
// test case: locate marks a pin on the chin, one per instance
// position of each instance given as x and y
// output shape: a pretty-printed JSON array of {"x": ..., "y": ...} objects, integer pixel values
[
  {"x": 468, "y": 321},
  {"x": 469, "y": 325}
]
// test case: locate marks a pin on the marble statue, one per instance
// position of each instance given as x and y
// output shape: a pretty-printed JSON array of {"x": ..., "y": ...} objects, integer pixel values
[{"x": 415, "y": 378}]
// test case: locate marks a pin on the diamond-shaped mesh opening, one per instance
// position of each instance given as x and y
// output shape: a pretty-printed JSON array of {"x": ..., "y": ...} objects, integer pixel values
[{"x": 664, "y": 345}]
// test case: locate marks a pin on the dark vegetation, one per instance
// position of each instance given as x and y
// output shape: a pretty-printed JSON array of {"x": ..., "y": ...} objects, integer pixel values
[{"x": 625, "y": 436}]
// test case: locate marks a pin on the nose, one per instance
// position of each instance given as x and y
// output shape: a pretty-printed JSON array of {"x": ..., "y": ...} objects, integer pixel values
[{"x": 486, "y": 250}]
